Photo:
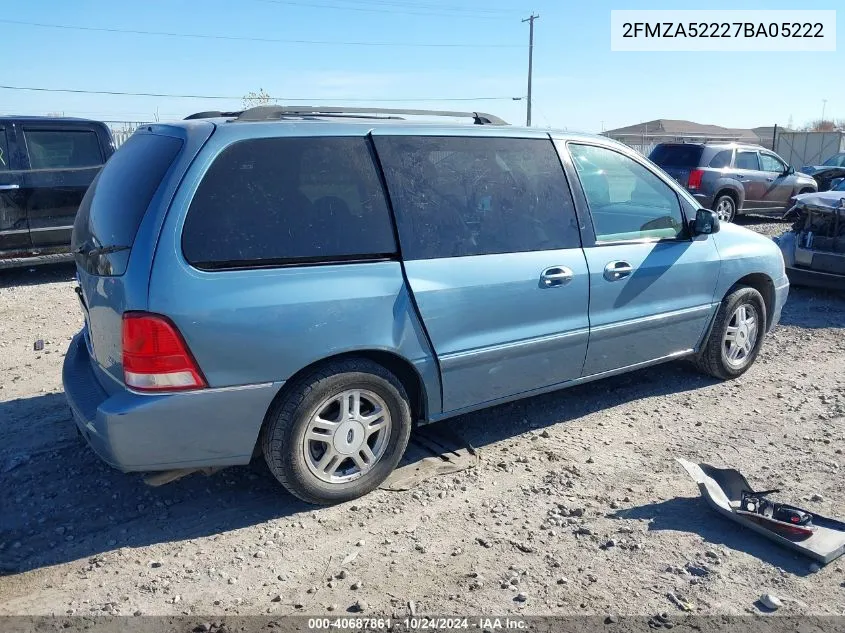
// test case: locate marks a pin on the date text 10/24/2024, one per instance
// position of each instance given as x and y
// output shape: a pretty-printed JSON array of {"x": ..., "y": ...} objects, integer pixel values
[
  {"x": 417, "y": 624},
  {"x": 714, "y": 30}
]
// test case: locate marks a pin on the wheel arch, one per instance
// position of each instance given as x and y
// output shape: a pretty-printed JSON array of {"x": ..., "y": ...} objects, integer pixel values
[
  {"x": 399, "y": 366},
  {"x": 732, "y": 191},
  {"x": 763, "y": 284}
]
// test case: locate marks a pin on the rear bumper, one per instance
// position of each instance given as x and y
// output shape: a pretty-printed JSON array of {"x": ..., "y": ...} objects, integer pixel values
[
  {"x": 815, "y": 278},
  {"x": 138, "y": 432}
]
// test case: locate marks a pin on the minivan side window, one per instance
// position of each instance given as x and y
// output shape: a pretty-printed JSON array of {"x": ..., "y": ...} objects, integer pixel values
[
  {"x": 461, "y": 196},
  {"x": 276, "y": 201},
  {"x": 626, "y": 200},
  {"x": 771, "y": 163},
  {"x": 63, "y": 149},
  {"x": 747, "y": 160}
]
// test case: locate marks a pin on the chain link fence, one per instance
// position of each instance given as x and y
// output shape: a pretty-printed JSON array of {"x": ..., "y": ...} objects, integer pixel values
[{"x": 122, "y": 130}]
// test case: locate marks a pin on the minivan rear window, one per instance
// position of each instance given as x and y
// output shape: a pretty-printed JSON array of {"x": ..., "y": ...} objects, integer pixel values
[
  {"x": 676, "y": 155},
  {"x": 115, "y": 203},
  {"x": 282, "y": 201}
]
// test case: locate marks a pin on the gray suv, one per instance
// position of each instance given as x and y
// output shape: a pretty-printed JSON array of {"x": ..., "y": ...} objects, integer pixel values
[{"x": 733, "y": 178}]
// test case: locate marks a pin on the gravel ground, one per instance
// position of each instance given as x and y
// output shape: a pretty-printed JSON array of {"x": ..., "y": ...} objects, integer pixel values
[{"x": 576, "y": 507}]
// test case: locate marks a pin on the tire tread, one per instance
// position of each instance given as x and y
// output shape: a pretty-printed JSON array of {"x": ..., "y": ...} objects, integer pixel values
[
  {"x": 709, "y": 358},
  {"x": 283, "y": 412}
]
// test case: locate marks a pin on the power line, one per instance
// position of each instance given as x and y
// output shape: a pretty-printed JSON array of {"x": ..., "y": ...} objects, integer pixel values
[
  {"x": 288, "y": 99},
  {"x": 440, "y": 13},
  {"x": 423, "y": 6},
  {"x": 254, "y": 39}
]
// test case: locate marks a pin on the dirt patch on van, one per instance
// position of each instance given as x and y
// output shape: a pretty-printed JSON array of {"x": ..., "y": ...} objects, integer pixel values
[{"x": 576, "y": 505}]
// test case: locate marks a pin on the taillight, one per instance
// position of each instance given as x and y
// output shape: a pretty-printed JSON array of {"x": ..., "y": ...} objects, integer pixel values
[
  {"x": 155, "y": 356},
  {"x": 694, "y": 181}
]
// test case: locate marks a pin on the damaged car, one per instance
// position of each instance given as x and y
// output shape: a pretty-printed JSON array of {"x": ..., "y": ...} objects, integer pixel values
[
  {"x": 829, "y": 177},
  {"x": 830, "y": 173},
  {"x": 814, "y": 250}
]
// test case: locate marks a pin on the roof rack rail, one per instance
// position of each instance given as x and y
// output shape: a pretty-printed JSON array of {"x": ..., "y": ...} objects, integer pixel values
[
  {"x": 267, "y": 113},
  {"x": 210, "y": 114}
]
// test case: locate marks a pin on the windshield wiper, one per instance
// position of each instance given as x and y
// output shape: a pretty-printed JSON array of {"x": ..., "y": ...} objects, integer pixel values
[{"x": 102, "y": 250}]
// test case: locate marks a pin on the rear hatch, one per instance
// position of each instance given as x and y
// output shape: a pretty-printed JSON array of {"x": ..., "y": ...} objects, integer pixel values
[
  {"x": 117, "y": 226},
  {"x": 677, "y": 160}
]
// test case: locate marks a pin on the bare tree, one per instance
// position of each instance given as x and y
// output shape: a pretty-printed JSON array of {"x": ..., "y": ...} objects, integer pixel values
[
  {"x": 828, "y": 125},
  {"x": 262, "y": 97}
]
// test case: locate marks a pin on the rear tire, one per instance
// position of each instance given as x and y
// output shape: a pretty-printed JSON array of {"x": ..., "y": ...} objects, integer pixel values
[
  {"x": 725, "y": 207},
  {"x": 339, "y": 432},
  {"x": 736, "y": 336}
]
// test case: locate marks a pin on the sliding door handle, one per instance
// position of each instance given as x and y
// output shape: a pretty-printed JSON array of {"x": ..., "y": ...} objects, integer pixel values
[
  {"x": 615, "y": 271},
  {"x": 556, "y": 276}
]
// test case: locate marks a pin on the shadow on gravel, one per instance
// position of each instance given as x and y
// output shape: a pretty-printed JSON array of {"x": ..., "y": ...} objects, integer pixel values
[
  {"x": 34, "y": 275},
  {"x": 61, "y": 503},
  {"x": 814, "y": 308},
  {"x": 756, "y": 220},
  {"x": 692, "y": 515},
  {"x": 64, "y": 504},
  {"x": 492, "y": 425}
]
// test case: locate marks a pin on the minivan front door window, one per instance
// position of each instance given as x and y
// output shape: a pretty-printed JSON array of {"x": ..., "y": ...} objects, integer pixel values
[{"x": 627, "y": 202}]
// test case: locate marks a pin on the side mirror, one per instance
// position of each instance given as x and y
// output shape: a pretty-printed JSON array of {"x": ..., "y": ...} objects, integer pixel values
[
  {"x": 706, "y": 222},
  {"x": 789, "y": 170}
]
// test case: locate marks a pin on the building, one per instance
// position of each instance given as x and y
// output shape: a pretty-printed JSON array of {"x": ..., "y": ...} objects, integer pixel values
[{"x": 644, "y": 136}]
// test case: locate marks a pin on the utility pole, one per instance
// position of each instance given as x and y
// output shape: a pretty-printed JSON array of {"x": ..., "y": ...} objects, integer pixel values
[
  {"x": 824, "y": 107},
  {"x": 530, "y": 21}
]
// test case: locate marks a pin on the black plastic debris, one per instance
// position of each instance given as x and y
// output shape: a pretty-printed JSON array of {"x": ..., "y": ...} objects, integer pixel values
[{"x": 729, "y": 493}]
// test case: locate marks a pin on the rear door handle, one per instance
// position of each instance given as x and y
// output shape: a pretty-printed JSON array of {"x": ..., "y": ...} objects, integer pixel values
[
  {"x": 615, "y": 271},
  {"x": 769, "y": 179},
  {"x": 555, "y": 276},
  {"x": 9, "y": 187}
]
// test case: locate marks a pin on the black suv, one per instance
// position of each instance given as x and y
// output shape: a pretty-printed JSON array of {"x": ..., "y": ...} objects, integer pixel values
[
  {"x": 733, "y": 178},
  {"x": 46, "y": 165}
]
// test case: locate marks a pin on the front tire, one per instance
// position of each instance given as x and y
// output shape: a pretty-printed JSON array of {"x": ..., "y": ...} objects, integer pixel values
[
  {"x": 725, "y": 208},
  {"x": 737, "y": 335},
  {"x": 339, "y": 432}
]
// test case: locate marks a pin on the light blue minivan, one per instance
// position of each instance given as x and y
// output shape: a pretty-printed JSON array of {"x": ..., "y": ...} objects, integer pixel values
[{"x": 310, "y": 283}]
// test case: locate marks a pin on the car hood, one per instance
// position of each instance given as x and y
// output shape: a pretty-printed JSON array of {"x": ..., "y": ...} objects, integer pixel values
[{"x": 823, "y": 201}]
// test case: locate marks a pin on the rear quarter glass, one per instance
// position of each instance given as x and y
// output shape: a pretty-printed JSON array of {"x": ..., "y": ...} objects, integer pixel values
[
  {"x": 290, "y": 200},
  {"x": 117, "y": 200}
]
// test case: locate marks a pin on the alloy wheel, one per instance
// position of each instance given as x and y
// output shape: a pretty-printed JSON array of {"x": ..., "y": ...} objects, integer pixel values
[
  {"x": 347, "y": 436},
  {"x": 741, "y": 335},
  {"x": 725, "y": 209}
]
